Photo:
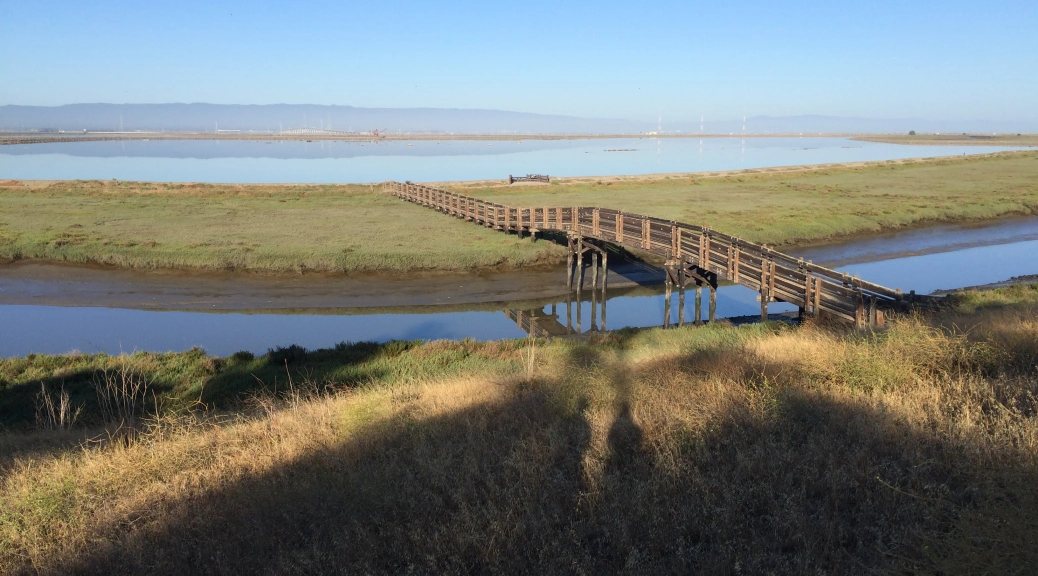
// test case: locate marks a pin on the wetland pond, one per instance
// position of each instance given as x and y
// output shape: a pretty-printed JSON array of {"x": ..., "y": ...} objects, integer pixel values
[
  {"x": 337, "y": 161},
  {"x": 53, "y": 308}
]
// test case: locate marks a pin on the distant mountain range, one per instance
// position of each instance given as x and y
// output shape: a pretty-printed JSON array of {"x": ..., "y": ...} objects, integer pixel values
[{"x": 278, "y": 117}]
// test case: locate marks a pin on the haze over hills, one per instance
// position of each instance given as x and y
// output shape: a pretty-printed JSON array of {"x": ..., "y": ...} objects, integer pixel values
[{"x": 276, "y": 117}]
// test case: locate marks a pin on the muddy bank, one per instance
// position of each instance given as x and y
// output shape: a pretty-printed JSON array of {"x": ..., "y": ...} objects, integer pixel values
[
  {"x": 29, "y": 282},
  {"x": 1027, "y": 279},
  {"x": 918, "y": 241}
]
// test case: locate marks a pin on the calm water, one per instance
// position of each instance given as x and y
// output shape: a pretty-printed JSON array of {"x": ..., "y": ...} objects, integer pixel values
[
  {"x": 55, "y": 329},
  {"x": 423, "y": 160}
]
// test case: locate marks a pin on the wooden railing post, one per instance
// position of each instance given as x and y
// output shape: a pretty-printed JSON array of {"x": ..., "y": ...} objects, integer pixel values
[{"x": 764, "y": 296}]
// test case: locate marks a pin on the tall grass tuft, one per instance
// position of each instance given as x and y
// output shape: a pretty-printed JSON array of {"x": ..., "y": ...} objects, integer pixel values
[
  {"x": 122, "y": 398},
  {"x": 54, "y": 410}
]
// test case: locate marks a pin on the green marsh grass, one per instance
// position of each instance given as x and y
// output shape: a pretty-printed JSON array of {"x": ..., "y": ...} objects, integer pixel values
[{"x": 355, "y": 228}]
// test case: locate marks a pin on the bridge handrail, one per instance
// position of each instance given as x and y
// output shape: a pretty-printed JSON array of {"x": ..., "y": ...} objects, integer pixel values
[{"x": 777, "y": 275}]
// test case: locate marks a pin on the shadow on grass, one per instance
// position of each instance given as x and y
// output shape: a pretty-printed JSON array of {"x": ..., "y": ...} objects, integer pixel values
[
  {"x": 810, "y": 484},
  {"x": 815, "y": 485},
  {"x": 182, "y": 378},
  {"x": 773, "y": 480}
]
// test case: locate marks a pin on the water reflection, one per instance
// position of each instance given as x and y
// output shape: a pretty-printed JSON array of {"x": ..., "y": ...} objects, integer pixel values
[{"x": 58, "y": 329}]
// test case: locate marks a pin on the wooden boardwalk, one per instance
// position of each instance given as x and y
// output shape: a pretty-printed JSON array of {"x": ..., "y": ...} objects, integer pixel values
[{"x": 694, "y": 254}]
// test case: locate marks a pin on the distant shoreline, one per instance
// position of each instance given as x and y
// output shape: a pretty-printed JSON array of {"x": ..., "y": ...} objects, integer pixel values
[
  {"x": 47, "y": 137},
  {"x": 952, "y": 139},
  {"x": 10, "y": 138}
]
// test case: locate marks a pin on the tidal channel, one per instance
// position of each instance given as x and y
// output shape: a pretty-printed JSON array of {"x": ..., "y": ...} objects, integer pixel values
[{"x": 56, "y": 308}]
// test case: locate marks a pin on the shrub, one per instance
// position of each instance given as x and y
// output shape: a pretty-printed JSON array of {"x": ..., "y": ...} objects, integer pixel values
[
  {"x": 286, "y": 355},
  {"x": 242, "y": 356}
]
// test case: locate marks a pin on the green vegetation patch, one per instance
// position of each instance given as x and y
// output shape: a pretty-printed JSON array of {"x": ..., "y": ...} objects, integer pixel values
[{"x": 355, "y": 228}]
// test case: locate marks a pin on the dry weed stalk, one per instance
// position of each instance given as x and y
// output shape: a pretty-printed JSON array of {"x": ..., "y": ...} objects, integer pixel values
[
  {"x": 122, "y": 397},
  {"x": 55, "y": 414}
]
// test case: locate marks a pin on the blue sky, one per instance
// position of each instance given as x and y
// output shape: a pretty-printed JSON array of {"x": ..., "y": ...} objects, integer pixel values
[{"x": 936, "y": 60}]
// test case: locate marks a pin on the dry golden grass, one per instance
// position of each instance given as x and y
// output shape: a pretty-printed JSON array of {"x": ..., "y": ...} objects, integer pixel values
[{"x": 761, "y": 449}]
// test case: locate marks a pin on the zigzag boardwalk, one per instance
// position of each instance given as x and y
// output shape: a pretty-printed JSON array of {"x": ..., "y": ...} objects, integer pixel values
[{"x": 695, "y": 254}]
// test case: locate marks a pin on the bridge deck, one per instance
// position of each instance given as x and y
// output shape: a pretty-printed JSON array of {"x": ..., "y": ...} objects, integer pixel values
[{"x": 776, "y": 276}]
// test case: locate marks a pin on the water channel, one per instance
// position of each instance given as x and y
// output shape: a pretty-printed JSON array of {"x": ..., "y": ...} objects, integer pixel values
[{"x": 51, "y": 308}]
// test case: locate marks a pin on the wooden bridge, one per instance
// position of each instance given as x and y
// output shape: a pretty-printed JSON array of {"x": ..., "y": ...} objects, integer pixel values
[{"x": 694, "y": 254}]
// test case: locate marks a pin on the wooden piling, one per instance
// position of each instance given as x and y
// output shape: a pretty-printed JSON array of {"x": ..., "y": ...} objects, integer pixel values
[
  {"x": 681, "y": 305},
  {"x": 594, "y": 272},
  {"x": 594, "y": 310},
  {"x": 579, "y": 306},
  {"x": 712, "y": 311},
  {"x": 666, "y": 304},
  {"x": 580, "y": 268},
  {"x": 699, "y": 306},
  {"x": 569, "y": 270}
]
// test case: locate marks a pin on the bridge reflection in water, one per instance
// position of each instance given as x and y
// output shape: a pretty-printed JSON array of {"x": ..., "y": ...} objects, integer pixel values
[
  {"x": 584, "y": 312},
  {"x": 547, "y": 324}
]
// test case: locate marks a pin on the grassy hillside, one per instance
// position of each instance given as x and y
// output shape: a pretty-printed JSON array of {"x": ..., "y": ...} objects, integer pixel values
[
  {"x": 737, "y": 450},
  {"x": 275, "y": 228}
]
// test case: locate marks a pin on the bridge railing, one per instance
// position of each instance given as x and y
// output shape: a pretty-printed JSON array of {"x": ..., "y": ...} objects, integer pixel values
[{"x": 775, "y": 275}]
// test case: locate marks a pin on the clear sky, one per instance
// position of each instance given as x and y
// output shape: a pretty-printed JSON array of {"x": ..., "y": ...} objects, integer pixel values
[{"x": 949, "y": 60}]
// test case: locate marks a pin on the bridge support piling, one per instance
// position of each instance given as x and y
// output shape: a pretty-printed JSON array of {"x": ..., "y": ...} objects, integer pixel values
[
  {"x": 699, "y": 306},
  {"x": 681, "y": 306},
  {"x": 666, "y": 307},
  {"x": 569, "y": 271},
  {"x": 580, "y": 271},
  {"x": 666, "y": 300},
  {"x": 603, "y": 310},
  {"x": 579, "y": 328},
  {"x": 569, "y": 314},
  {"x": 764, "y": 305},
  {"x": 605, "y": 273},
  {"x": 594, "y": 272},
  {"x": 594, "y": 310},
  {"x": 713, "y": 305}
]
